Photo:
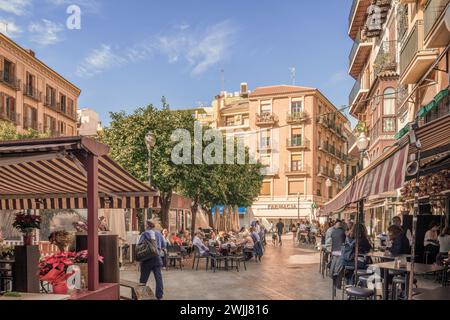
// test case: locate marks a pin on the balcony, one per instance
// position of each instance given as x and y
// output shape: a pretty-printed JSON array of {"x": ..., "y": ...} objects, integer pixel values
[
  {"x": 332, "y": 126},
  {"x": 9, "y": 116},
  {"x": 297, "y": 143},
  {"x": 437, "y": 34},
  {"x": 415, "y": 60},
  {"x": 296, "y": 117},
  {"x": 386, "y": 60},
  {"x": 357, "y": 17},
  {"x": 331, "y": 150},
  {"x": 66, "y": 111},
  {"x": 297, "y": 169},
  {"x": 51, "y": 103},
  {"x": 359, "y": 54},
  {"x": 29, "y": 123},
  {"x": 266, "y": 119},
  {"x": 357, "y": 94},
  {"x": 325, "y": 172},
  {"x": 10, "y": 80},
  {"x": 32, "y": 92}
]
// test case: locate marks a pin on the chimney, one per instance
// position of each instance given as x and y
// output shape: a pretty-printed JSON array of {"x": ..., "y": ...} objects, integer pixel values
[
  {"x": 32, "y": 53},
  {"x": 244, "y": 89}
]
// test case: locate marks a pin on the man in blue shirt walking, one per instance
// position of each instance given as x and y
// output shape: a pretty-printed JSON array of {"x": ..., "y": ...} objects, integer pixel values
[{"x": 153, "y": 264}]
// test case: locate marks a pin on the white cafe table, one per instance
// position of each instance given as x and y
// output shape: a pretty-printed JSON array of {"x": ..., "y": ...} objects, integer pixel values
[{"x": 37, "y": 297}]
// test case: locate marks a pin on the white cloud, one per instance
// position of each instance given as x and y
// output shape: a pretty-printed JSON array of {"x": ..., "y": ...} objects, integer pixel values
[
  {"x": 17, "y": 7},
  {"x": 199, "y": 49},
  {"x": 98, "y": 61},
  {"x": 9, "y": 28},
  {"x": 88, "y": 5},
  {"x": 45, "y": 32},
  {"x": 337, "y": 77}
]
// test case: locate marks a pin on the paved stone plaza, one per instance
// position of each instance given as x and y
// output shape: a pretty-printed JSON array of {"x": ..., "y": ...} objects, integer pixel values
[{"x": 285, "y": 273}]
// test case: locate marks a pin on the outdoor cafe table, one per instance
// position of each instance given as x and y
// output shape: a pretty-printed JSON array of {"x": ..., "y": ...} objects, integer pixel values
[
  {"x": 382, "y": 256},
  {"x": 442, "y": 293},
  {"x": 419, "y": 268}
]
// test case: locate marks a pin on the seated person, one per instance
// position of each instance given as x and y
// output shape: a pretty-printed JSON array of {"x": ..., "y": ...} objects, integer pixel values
[
  {"x": 248, "y": 244},
  {"x": 175, "y": 240},
  {"x": 198, "y": 243},
  {"x": 400, "y": 243}
]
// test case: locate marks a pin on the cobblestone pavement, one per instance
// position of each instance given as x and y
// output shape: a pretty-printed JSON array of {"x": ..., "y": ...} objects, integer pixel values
[{"x": 285, "y": 273}]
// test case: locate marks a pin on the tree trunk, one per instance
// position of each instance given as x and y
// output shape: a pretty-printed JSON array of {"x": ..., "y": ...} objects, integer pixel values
[
  {"x": 194, "y": 209},
  {"x": 210, "y": 218},
  {"x": 165, "y": 200}
]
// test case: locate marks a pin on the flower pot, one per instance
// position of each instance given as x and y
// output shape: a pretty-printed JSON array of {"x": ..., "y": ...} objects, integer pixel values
[
  {"x": 83, "y": 271},
  {"x": 60, "y": 287},
  {"x": 27, "y": 239}
]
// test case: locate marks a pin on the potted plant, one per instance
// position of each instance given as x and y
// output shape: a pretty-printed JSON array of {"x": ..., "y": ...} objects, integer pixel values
[
  {"x": 26, "y": 224},
  {"x": 61, "y": 239},
  {"x": 6, "y": 252},
  {"x": 53, "y": 269},
  {"x": 81, "y": 260}
]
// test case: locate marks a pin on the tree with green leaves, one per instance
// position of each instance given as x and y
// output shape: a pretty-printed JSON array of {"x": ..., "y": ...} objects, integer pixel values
[
  {"x": 8, "y": 131},
  {"x": 126, "y": 138}
]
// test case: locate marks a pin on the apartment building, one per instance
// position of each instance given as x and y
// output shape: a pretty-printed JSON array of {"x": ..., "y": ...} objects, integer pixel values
[
  {"x": 300, "y": 137},
  {"x": 400, "y": 63},
  {"x": 89, "y": 123},
  {"x": 32, "y": 95}
]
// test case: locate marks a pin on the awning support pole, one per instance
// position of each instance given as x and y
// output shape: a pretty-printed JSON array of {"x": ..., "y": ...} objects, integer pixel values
[{"x": 92, "y": 216}]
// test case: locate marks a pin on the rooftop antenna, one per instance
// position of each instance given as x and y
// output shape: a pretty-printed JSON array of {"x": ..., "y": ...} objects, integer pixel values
[
  {"x": 293, "y": 75},
  {"x": 222, "y": 79}
]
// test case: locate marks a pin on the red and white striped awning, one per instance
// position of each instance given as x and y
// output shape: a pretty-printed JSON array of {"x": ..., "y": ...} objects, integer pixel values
[
  {"x": 52, "y": 174},
  {"x": 384, "y": 175}
]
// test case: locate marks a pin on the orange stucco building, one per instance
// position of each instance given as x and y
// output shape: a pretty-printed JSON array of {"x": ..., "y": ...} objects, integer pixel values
[{"x": 32, "y": 95}]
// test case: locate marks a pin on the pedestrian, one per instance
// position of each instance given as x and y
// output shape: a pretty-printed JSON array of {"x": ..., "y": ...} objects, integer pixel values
[
  {"x": 431, "y": 242},
  {"x": 154, "y": 263},
  {"x": 280, "y": 229},
  {"x": 294, "y": 232}
]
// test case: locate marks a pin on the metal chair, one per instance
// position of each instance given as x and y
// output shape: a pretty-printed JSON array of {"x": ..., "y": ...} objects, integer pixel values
[
  {"x": 357, "y": 293},
  {"x": 216, "y": 258},
  {"x": 198, "y": 257},
  {"x": 174, "y": 255},
  {"x": 238, "y": 257}
]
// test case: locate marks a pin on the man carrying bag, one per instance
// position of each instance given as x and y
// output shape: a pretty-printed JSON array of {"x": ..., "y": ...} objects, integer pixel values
[{"x": 148, "y": 254}]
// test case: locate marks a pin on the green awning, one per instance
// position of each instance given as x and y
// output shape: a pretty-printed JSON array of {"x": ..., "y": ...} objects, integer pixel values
[
  {"x": 402, "y": 132},
  {"x": 433, "y": 104}
]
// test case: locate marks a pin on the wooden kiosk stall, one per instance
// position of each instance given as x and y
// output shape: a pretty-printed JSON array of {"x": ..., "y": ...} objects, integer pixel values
[{"x": 70, "y": 173}]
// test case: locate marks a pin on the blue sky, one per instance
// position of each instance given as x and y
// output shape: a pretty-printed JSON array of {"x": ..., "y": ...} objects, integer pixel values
[{"x": 130, "y": 53}]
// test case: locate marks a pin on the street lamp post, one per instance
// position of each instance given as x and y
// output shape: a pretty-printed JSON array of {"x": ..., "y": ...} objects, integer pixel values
[
  {"x": 362, "y": 143},
  {"x": 150, "y": 141},
  {"x": 298, "y": 206}
]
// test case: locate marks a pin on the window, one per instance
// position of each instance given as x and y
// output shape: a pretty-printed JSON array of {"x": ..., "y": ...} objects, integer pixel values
[
  {"x": 62, "y": 128},
  {"x": 70, "y": 130},
  {"x": 50, "y": 98},
  {"x": 266, "y": 160},
  {"x": 10, "y": 106},
  {"x": 296, "y": 162},
  {"x": 30, "y": 118},
  {"x": 70, "y": 109},
  {"x": 265, "y": 138},
  {"x": 389, "y": 102},
  {"x": 63, "y": 103},
  {"x": 330, "y": 192},
  {"x": 388, "y": 124},
  {"x": 49, "y": 124},
  {"x": 296, "y": 106},
  {"x": 296, "y": 136},
  {"x": 8, "y": 70},
  {"x": 319, "y": 189},
  {"x": 30, "y": 83},
  {"x": 266, "y": 107},
  {"x": 265, "y": 189},
  {"x": 229, "y": 121},
  {"x": 296, "y": 187}
]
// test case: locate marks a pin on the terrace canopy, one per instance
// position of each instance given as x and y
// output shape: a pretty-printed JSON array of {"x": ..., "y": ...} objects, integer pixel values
[{"x": 69, "y": 173}]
